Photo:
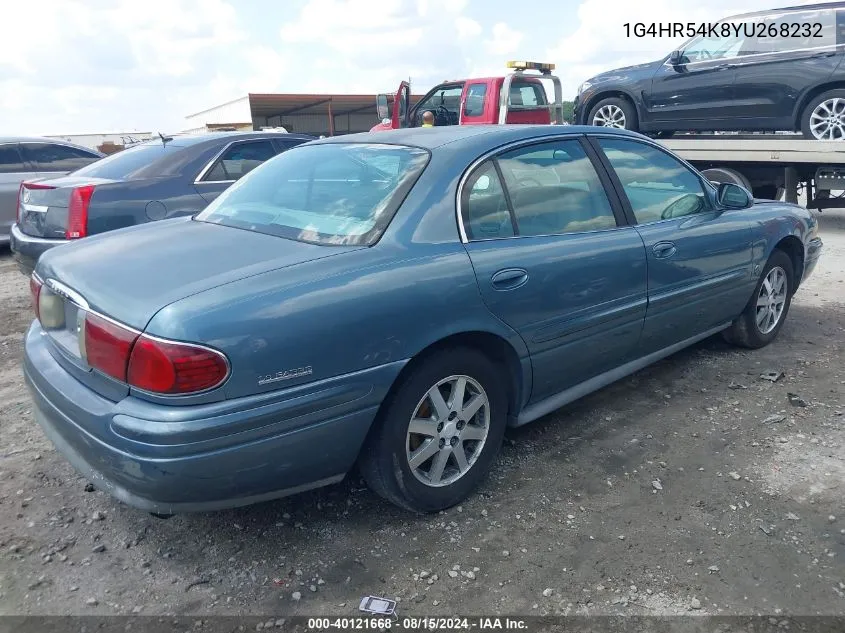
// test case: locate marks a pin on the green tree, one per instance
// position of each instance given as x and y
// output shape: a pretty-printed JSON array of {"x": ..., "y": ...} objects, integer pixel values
[{"x": 568, "y": 115}]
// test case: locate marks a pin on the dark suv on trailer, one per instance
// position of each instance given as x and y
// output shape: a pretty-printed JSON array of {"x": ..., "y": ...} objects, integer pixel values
[{"x": 767, "y": 71}]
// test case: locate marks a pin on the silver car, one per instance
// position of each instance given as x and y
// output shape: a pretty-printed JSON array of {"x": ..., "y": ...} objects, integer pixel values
[{"x": 25, "y": 158}]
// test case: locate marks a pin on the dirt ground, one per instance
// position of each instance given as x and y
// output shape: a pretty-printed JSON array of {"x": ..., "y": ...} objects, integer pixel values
[{"x": 694, "y": 486}]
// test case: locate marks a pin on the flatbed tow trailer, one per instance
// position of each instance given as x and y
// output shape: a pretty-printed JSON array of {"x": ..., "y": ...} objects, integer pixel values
[{"x": 770, "y": 166}]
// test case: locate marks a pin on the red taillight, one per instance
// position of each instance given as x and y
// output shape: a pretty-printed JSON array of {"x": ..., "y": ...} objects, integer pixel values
[
  {"x": 77, "y": 212},
  {"x": 30, "y": 186},
  {"x": 148, "y": 363},
  {"x": 35, "y": 291},
  {"x": 107, "y": 346},
  {"x": 174, "y": 368}
]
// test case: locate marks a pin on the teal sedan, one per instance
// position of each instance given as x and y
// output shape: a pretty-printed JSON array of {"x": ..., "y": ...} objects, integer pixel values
[{"x": 395, "y": 301}]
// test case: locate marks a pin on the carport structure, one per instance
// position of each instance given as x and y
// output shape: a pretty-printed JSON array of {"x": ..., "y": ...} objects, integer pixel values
[{"x": 318, "y": 114}]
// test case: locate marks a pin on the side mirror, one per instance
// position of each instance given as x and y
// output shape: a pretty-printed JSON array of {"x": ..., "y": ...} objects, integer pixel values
[
  {"x": 381, "y": 107},
  {"x": 676, "y": 58},
  {"x": 731, "y": 196}
]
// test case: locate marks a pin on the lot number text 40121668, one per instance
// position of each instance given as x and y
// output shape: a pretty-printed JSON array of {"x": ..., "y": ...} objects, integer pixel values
[{"x": 759, "y": 30}]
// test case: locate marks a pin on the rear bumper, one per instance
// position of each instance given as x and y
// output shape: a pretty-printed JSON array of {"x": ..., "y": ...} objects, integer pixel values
[
  {"x": 26, "y": 249},
  {"x": 172, "y": 459}
]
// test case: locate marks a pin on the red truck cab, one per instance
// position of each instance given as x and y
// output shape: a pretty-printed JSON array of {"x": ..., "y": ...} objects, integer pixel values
[{"x": 513, "y": 98}]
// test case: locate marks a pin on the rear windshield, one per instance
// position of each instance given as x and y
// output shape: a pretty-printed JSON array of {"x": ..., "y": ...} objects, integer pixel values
[
  {"x": 340, "y": 194},
  {"x": 125, "y": 163}
]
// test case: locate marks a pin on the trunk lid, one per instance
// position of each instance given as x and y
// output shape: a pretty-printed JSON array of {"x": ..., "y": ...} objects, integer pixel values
[
  {"x": 131, "y": 274},
  {"x": 43, "y": 209}
]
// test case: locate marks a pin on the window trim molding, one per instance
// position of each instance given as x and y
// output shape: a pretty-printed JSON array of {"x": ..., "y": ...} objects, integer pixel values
[{"x": 538, "y": 140}]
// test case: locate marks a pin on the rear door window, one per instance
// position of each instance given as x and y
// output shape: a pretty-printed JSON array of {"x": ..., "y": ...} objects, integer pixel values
[
  {"x": 554, "y": 189},
  {"x": 10, "y": 160},
  {"x": 52, "y": 157},
  {"x": 239, "y": 160}
]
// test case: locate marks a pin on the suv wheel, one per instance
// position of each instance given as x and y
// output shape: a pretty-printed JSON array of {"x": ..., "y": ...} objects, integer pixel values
[
  {"x": 823, "y": 118},
  {"x": 614, "y": 112}
]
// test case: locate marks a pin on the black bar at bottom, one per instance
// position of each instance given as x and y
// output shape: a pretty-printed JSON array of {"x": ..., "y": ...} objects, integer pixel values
[{"x": 363, "y": 622}]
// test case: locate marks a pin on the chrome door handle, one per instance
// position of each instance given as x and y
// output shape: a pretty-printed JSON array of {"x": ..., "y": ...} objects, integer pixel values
[
  {"x": 662, "y": 250},
  {"x": 509, "y": 278}
]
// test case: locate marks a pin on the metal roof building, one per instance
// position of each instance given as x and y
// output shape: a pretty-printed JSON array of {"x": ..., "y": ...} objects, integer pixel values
[{"x": 317, "y": 114}]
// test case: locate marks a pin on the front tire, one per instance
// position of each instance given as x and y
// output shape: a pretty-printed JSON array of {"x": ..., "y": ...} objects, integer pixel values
[
  {"x": 766, "y": 311},
  {"x": 614, "y": 112},
  {"x": 438, "y": 433}
]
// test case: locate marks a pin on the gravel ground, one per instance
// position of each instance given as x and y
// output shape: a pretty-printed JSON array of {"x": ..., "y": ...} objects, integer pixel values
[{"x": 694, "y": 486}]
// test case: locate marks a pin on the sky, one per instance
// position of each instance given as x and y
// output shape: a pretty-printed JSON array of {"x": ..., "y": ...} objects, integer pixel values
[{"x": 96, "y": 66}]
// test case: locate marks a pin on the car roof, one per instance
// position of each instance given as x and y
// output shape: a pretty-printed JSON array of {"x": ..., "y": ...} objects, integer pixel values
[
  {"x": 476, "y": 135},
  {"x": 189, "y": 140}
]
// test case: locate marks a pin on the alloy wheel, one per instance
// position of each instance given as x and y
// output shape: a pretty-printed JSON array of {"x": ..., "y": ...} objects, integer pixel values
[
  {"x": 771, "y": 300},
  {"x": 609, "y": 116},
  {"x": 827, "y": 121},
  {"x": 447, "y": 431}
]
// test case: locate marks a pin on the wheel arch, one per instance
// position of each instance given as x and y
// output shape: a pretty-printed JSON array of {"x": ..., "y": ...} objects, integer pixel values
[
  {"x": 495, "y": 347},
  {"x": 811, "y": 94},
  {"x": 794, "y": 248},
  {"x": 607, "y": 94}
]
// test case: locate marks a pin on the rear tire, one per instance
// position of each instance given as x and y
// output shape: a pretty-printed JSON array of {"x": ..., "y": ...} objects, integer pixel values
[
  {"x": 766, "y": 311},
  {"x": 614, "y": 112},
  {"x": 395, "y": 443},
  {"x": 826, "y": 112}
]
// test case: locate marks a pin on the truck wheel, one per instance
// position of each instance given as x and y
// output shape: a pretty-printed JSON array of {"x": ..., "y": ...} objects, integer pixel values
[
  {"x": 824, "y": 117},
  {"x": 439, "y": 433},
  {"x": 760, "y": 322},
  {"x": 614, "y": 112},
  {"x": 725, "y": 174}
]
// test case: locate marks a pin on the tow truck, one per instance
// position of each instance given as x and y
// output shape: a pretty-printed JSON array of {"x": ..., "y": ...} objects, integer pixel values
[
  {"x": 770, "y": 166},
  {"x": 517, "y": 97}
]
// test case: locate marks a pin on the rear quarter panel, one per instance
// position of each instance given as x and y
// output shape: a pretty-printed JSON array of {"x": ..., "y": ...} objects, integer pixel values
[
  {"x": 337, "y": 315},
  {"x": 123, "y": 204}
]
